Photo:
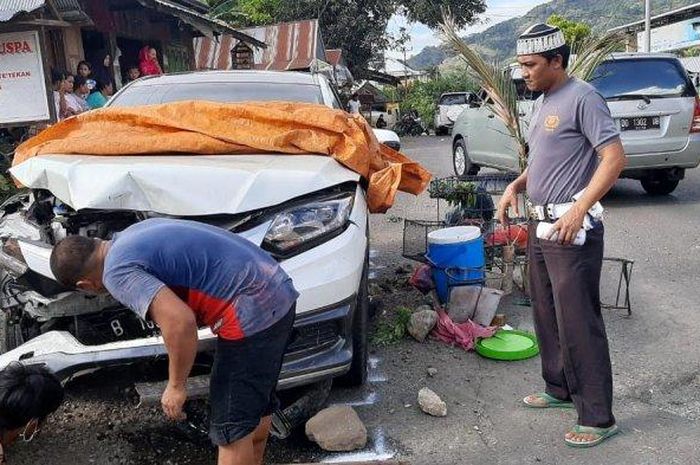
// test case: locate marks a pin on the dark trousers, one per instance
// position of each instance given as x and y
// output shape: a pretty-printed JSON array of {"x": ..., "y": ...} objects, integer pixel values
[{"x": 565, "y": 291}]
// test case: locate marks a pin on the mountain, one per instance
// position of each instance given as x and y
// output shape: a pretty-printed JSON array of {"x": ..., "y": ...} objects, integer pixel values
[{"x": 498, "y": 41}]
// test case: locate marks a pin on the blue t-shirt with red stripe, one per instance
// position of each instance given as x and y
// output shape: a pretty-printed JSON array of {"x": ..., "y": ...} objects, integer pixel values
[{"x": 233, "y": 286}]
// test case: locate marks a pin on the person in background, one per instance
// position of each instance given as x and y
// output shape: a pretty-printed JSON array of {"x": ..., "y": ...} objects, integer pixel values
[
  {"x": 58, "y": 81},
  {"x": 81, "y": 91},
  {"x": 76, "y": 105},
  {"x": 85, "y": 70},
  {"x": 133, "y": 73},
  {"x": 381, "y": 122},
  {"x": 99, "y": 98},
  {"x": 103, "y": 71},
  {"x": 28, "y": 395},
  {"x": 148, "y": 62},
  {"x": 354, "y": 105}
]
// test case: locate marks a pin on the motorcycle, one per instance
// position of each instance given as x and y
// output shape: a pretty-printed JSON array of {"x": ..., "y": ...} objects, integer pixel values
[{"x": 409, "y": 125}]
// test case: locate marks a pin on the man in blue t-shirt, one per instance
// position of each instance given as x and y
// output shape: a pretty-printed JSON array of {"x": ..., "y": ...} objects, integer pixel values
[{"x": 184, "y": 274}]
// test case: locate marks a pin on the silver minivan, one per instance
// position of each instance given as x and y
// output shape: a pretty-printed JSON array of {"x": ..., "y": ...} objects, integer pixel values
[{"x": 655, "y": 106}]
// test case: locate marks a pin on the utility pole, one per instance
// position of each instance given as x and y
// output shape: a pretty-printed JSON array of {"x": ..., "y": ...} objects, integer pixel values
[{"x": 647, "y": 26}]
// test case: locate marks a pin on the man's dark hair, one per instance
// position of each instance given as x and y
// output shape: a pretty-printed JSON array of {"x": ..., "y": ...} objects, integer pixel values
[
  {"x": 57, "y": 76},
  {"x": 79, "y": 81},
  {"x": 564, "y": 51},
  {"x": 27, "y": 392},
  {"x": 70, "y": 258},
  {"x": 102, "y": 85}
]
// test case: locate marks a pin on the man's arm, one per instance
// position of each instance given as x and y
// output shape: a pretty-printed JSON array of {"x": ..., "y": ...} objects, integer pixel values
[
  {"x": 510, "y": 197},
  {"x": 179, "y": 328},
  {"x": 612, "y": 162}
]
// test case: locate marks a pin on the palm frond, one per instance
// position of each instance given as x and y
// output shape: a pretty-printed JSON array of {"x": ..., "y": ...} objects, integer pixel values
[
  {"x": 495, "y": 79},
  {"x": 591, "y": 51}
]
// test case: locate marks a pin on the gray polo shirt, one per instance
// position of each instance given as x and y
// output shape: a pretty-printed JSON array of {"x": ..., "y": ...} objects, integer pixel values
[{"x": 567, "y": 127}]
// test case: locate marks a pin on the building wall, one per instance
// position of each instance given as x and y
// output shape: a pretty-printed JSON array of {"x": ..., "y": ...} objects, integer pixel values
[{"x": 73, "y": 48}]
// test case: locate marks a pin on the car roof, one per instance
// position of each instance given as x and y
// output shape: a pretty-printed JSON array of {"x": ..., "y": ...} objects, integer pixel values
[
  {"x": 277, "y": 77},
  {"x": 454, "y": 93},
  {"x": 642, "y": 55}
]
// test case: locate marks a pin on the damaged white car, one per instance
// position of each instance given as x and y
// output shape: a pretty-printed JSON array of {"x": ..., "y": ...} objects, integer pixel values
[{"x": 308, "y": 211}]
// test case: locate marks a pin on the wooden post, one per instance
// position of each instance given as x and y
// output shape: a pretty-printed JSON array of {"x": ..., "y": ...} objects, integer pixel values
[{"x": 47, "y": 75}]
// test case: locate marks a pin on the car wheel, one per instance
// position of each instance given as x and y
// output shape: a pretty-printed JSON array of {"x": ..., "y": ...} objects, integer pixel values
[
  {"x": 460, "y": 160},
  {"x": 10, "y": 333},
  {"x": 659, "y": 186},
  {"x": 441, "y": 131},
  {"x": 357, "y": 376}
]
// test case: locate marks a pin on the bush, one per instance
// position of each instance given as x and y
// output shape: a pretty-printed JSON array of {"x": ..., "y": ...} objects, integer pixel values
[{"x": 423, "y": 96}]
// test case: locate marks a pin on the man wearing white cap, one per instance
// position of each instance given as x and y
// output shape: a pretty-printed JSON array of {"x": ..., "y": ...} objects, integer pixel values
[{"x": 575, "y": 157}]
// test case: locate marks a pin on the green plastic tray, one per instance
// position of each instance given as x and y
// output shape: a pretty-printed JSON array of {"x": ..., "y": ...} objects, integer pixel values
[{"x": 508, "y": 345}]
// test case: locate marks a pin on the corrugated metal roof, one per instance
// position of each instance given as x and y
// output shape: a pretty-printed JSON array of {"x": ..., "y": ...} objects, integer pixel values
[
  {"x": 11, "y": 8},
  {"x": 333, "y": 56},
  {"x": 290, "y": 46}
]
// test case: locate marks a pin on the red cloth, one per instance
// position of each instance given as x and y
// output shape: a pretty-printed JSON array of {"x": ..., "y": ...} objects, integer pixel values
[
  {"x": 463, "y": 335},
  {"x": 147, "y": 66}
]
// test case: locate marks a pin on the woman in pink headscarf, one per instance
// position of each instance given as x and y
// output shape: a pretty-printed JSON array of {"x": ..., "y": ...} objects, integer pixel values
[{"x": 148, "y": 62}]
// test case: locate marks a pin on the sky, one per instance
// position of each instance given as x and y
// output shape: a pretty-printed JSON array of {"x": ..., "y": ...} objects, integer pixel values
[{"x": 496, "y": 11}]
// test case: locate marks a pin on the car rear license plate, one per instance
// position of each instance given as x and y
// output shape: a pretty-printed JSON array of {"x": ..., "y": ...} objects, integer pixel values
[{"x": 640, "y": 123}]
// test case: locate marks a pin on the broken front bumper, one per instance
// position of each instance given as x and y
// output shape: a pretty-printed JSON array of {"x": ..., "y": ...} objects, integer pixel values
[{"x": 320, "y": 348}]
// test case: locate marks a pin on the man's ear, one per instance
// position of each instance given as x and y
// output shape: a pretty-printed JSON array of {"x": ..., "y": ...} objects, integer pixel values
[
  {"x": 87, "y": 284},
  {"x": 558, "y": 62}
]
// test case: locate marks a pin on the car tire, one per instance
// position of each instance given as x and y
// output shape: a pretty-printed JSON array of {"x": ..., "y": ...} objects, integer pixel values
[
  {"x": 10, "y": 333},
  {"x": 460, "y": 160},
  {"x": 441, "y": 131},
  {"x": 659, "y": 185},
  {"x": 357, "y": 376}
]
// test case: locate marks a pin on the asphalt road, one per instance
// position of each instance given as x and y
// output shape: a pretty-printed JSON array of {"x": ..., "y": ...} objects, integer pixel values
[{"x": 655, "y": 361}]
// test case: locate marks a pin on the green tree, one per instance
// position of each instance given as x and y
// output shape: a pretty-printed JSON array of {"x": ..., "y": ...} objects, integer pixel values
[
  {"x": 356, "y": 26},
  {"x": 429, "y": 12},
  {"x": 574, "y": 32},
  {"x": 422, "y": 96}
]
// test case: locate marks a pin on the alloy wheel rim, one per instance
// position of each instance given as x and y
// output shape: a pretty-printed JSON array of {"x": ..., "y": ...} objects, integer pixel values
[{"x": 460, "y": 160}]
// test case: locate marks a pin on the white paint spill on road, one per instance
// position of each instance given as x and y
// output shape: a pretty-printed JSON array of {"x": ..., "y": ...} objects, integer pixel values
[
  {"x": 379, "y": 451},
  {"x": 375, "y": 375},
  {"x": 370, "y": 399}
]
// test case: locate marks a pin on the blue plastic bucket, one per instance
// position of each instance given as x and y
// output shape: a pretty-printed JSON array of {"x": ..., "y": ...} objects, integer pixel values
[{"x": 457, "y": 258}]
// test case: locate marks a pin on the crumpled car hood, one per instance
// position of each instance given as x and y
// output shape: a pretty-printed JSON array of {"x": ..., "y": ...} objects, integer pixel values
[{"x": 181, "y": 185}]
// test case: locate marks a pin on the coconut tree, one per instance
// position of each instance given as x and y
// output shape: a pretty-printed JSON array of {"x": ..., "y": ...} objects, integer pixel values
[{"x": 496, "y": 80}]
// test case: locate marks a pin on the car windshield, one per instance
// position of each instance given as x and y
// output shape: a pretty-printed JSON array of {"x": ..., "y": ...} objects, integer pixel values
[
  {"x": 455, "y": 99},
  {"x": 224, "y": 92},
  {"x": 650, "y": 77}
]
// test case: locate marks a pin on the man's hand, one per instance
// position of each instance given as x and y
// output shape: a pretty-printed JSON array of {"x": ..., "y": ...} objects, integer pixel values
[
  {"x": 173, "y": 400},
  {"x": 508, "y": 199},
  {"x": 568, "y": 225}
]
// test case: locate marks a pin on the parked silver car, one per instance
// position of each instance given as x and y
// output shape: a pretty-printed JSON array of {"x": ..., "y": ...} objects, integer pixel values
[{"x": 652, "y": 99}]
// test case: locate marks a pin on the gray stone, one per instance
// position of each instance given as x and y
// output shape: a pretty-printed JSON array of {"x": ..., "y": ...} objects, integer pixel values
[
  {"x": 431, "y": 403},
  {"x": 432, "y": 371},
  {"x": 423, "y": 308},
  {"x": 337, "y": 429},
  {"x": 422, "y": 323}
]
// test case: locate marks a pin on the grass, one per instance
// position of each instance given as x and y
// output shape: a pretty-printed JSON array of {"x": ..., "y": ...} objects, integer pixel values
[{"x": 392, "y": 328}]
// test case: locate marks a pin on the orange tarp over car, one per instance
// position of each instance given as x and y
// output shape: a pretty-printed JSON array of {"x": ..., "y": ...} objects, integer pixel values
[{"x": 207, "y": 128}]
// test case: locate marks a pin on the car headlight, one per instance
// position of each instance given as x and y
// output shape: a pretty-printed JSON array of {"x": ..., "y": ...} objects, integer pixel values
[{"x": 307, "y": 224}]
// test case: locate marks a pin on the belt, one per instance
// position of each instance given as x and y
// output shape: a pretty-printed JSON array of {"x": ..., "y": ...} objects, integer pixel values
[{"x": 548, "y": 212}]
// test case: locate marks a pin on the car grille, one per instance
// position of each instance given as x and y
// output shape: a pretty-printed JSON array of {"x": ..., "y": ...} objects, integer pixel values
[{"x": 315, "y": 337}]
